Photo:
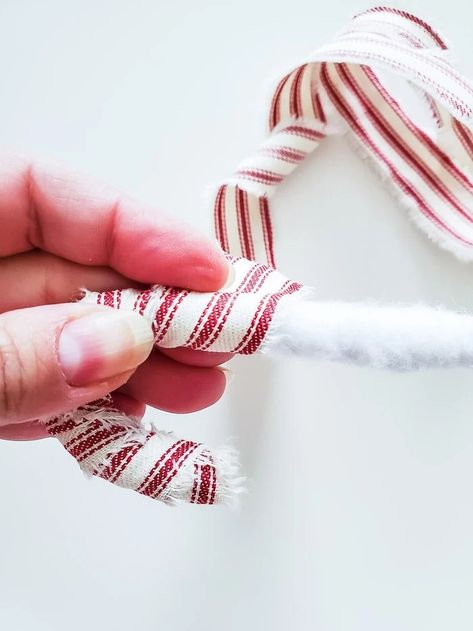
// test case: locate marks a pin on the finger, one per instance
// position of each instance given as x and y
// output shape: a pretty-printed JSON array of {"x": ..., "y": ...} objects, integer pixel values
[
  {"x": 29, "y": 430},
  {"x": 196, "y": 358},
  {"x": 75, "y": 218},
  {"x": 168, "y": 385},
  {"x": 56, "y": 358},
  {"x": 38, "y": 278},
  {"x": 134, "y": 409}
]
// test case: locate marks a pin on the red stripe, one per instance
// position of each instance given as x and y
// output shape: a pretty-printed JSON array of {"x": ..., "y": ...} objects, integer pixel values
[
  {"x": 211, "y": 321},
  {"x": 198, "y": 324},
  {"x": 259, "y": 310},
  {"x": 141, "y": 300},
  {"x": 54, "y": 428},
  {"x": 433, "y": 109},
  {"x": 173, "y": 300},
  {"x": 89, "y": 428},
  {"x": 166, "y": 299},
  {"x": 236, "y": 211},
  {"x": 126, "y": 462},
  {"x": 157, "y": 464},
  {"x": 205, "y": 484},
  {"x": 213, "y": 488},
  {"x": 99, "y": 404},
  {"x": 260, "y": 175},
  {"x": 317, "y": 105},
  {"x": 304, "y": 132},
  {"x": 115, "y": 462},
  {"x": 267, "y": 271},
  {"x": 242, "y": 210},
  {"x": 107, "y": 440},
  {"x": 108, "y": 300},
  {"x": 267, "y": 229},
  {"x": 95, "y": 440},
  {"x": 295, "y": 102},
  {"x": 205, "y": 479},
  {"x": 219, "y": 213},
  {"x": 137, "y": 299},
  {"x": 170, "y": 463},
  {"x": 275, "y": 114},
  {"x": 285, "y": 154},
  {"x": 464, "y": 135},
  {"x": 144, "y": 299},
  {"x": 195, "y": 486},
  {"x": 120, "y": 460},
  {"x": 248, "y": 282},
  {"x": 210, "y": 339},
  {"x": 170, "y": 469},
  {"x": 263, "y": 317}
]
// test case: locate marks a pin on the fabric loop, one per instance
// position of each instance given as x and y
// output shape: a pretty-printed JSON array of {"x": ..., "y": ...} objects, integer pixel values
[{"x": 387, "y": 81}]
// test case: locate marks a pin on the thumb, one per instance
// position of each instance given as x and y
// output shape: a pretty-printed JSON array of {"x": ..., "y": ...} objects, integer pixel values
[{"x": 55, "y": 358}]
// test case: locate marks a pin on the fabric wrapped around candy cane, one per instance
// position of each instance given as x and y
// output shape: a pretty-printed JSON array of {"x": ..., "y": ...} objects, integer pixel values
[{"x": 388, "y": 83}]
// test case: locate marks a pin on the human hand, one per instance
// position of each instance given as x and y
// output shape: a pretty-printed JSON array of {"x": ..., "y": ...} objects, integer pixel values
[{"x": 60, "y": 233}]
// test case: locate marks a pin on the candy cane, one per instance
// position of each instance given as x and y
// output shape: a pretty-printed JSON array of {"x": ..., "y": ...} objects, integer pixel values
[{"x": 388, "y": 83}]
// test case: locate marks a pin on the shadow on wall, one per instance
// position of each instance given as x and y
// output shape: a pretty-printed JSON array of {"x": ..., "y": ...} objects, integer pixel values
[{"x": 249, "y": 410}]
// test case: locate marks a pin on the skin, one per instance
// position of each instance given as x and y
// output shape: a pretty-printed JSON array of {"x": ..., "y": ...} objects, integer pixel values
[{"x": 61, "y": 232}]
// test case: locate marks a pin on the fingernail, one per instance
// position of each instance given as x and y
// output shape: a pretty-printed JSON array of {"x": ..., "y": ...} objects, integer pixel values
[
  {"x": 228, "y": 374},
  {"x": 230, "y": 278},
  {"x": 99, "y": 346}
]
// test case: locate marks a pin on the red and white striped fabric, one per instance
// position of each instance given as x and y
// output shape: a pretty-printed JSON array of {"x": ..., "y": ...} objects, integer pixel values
[
  {"x": 388, "y": 82},
  {"x": 107, "y": 444}
]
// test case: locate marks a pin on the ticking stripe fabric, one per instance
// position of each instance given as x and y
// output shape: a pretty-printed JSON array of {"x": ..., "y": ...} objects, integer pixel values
[
  {"x": 387, "y": 81},
  {"x": 156, "y": 464}
]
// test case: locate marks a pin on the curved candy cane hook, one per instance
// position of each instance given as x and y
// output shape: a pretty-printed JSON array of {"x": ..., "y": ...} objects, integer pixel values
[{"x": 363, "y": 84}]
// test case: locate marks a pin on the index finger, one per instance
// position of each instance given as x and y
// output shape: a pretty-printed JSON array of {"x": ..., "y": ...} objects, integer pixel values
[{"x": 80, "y": 220}]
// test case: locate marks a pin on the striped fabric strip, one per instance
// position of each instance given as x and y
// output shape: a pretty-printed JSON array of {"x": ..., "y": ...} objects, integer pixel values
[
  {"x": 388, "y": 82},
  {"x": 152, "y": 463},
  {"x": 347, "y": 87},
  {"x": 234, "y": 320}
]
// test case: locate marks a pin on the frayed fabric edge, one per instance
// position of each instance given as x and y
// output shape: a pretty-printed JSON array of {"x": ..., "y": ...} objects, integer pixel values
[
  {"x": 463, "y": 253},
  {"x": 274, "y": 335},
  {"x": 224, "y": 459},
  {"x": 231, "y": 484}
]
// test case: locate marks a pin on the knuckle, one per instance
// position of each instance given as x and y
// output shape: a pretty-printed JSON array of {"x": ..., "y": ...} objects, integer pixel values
[{"x": 12, "y": 388}]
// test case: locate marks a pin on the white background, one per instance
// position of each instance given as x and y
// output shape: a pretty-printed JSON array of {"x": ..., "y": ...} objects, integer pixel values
[{"x": 359, "y": 515}]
